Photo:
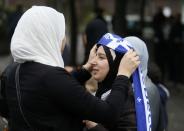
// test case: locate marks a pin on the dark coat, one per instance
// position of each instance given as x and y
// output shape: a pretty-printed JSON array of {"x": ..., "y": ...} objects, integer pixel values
[{"x": 51, "y": 99}]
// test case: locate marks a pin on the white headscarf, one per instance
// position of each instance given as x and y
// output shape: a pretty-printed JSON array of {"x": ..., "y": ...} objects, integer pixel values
[
  {"x": 141, "y": 49},
  {"x": 38, "y": 37}
]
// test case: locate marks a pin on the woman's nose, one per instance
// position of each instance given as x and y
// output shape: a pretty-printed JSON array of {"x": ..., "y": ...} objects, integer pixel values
[{"x": 94, "y": 60}]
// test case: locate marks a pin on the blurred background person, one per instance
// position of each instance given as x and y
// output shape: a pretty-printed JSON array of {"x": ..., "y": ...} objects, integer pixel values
[
  {"x": 94, "y": 30},
  {"x": 176, "y": 63},
  {"x": 13, "y": 20}
]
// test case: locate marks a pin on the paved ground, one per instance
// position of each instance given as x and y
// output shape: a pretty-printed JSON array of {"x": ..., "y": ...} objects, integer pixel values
[
  {"x": 175, "y": 103},
  {"x": 176, "y": 108}
]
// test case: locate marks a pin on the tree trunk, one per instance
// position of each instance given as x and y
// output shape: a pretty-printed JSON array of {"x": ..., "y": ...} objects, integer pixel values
[
  {"x": 73, "y": 31},
  {"x": 119, "y": 18},
  {"x": 142, "y": 23},
  {"x": 96, "y": 5}
]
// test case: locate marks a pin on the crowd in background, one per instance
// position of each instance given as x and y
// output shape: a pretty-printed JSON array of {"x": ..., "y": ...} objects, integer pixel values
[{"x": 166, "y": 44}]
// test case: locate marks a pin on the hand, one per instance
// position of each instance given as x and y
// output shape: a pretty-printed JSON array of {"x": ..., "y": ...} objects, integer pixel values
[
  {"x": 129, "y": 63},
  {"x": 88, "y": 65},
  {"x": 69, "y": 68},
  {"x": 89, "y": 124}
]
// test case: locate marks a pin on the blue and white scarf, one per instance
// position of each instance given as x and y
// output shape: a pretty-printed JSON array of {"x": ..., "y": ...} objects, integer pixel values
[{"x": 143, "y": 113}]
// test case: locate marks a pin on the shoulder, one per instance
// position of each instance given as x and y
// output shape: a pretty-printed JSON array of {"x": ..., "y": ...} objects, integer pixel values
[
  {"x": 41, "y": 69},
  {"x": 40, "y": 72},
  {"x": 151, "y": 88}
]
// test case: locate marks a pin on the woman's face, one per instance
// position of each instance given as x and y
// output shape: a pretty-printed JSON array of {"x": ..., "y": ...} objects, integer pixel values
[{"x": 100, "y": 65}]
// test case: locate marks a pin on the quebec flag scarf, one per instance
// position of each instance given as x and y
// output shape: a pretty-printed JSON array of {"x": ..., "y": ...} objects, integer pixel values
[{"x": 143, "y": 113}]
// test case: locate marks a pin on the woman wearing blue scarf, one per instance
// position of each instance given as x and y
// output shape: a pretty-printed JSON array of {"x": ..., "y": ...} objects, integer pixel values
[
  {"x": 127, "y": 122},
  {"x": 105, "y": 70}
]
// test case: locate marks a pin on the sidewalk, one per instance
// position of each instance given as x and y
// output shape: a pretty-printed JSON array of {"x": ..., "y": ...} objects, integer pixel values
[{"x": 176, "y": 108}]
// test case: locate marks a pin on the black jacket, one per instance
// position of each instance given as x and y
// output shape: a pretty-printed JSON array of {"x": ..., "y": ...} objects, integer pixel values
[
  {"x": 127, "y": 119},
  {"x": 51, "y": 99}
]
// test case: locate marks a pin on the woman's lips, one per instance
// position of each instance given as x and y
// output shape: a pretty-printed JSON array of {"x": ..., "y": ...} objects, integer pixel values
[{"x": 95, "y": 70}]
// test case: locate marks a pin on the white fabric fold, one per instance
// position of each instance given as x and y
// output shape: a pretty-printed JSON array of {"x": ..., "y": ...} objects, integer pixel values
[{"x": 38, "y": 37}]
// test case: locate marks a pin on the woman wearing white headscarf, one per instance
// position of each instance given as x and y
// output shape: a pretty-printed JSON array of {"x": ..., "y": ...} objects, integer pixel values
[{"x": 40, "y": 94}]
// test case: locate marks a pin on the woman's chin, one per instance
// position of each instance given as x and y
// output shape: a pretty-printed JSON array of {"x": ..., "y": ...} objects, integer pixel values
[{"x": 96, "y": 78}]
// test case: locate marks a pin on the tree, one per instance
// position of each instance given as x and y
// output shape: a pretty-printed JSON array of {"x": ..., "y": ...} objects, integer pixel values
[
  {"x": 142, "y": 15},
  {"x": 73, "y": 31},
  {"x": 119, "y": 18}
]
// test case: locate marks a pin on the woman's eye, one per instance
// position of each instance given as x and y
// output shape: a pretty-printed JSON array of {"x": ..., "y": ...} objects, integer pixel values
[{"x": 101, "y": 57}]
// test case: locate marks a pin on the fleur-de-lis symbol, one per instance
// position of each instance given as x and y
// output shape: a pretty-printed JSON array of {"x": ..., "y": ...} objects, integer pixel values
[{"x": 139, "y": 99}]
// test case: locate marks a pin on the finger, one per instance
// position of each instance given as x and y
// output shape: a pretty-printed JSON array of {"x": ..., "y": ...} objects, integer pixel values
[
  {"x": 134, "y": 53},
  {"x": 128, "y": 52},
  {"x": 131, "y": 50},
  {"x": 94, "y": 47},
  {"x": 138, "y": 63},
  {"x": 136, "y": 58}
]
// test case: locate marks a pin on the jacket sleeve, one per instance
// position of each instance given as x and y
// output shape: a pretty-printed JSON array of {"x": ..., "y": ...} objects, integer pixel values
[
  {"x": 81, "y": 75},
  {"x": 70, "y": 96}
]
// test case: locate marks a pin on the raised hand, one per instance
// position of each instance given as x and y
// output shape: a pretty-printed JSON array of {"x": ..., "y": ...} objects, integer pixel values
[
  {"x": 129, "y": 63},
  {"x": 92, "y": 55}
]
